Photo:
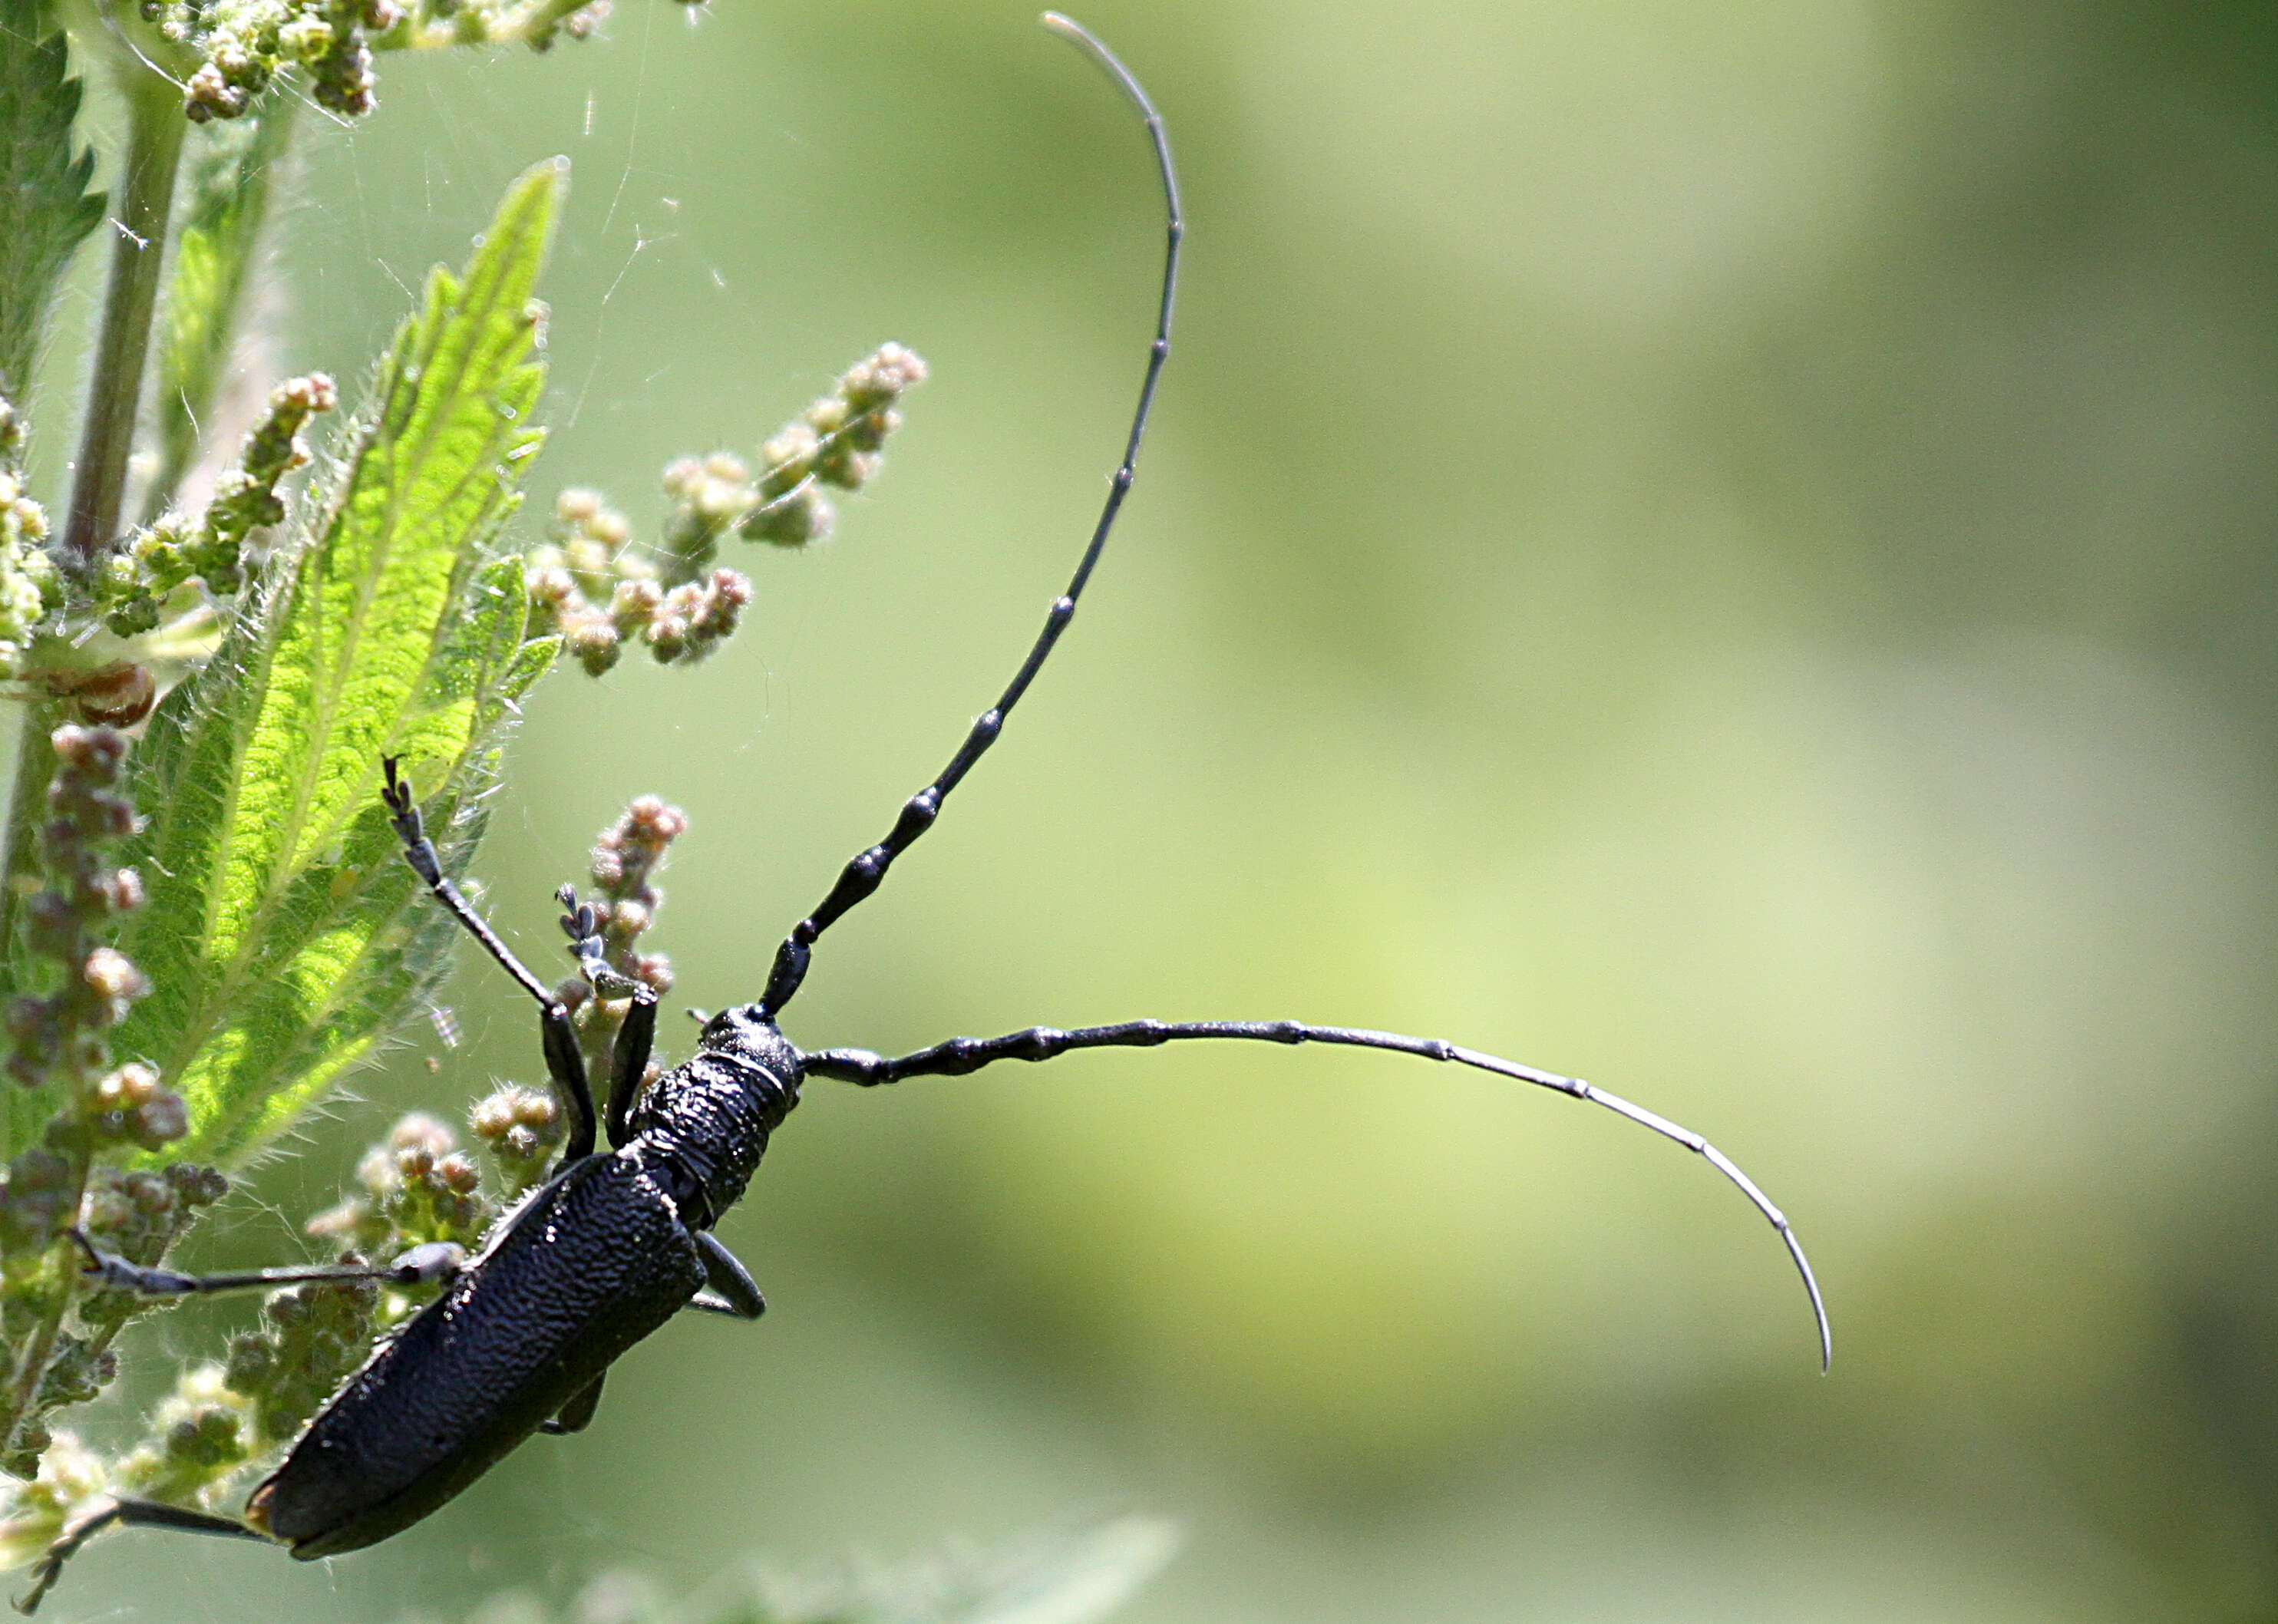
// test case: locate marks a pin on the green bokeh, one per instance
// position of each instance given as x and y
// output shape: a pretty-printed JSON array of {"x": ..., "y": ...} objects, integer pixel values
[{"x": 1725, "y": 548}]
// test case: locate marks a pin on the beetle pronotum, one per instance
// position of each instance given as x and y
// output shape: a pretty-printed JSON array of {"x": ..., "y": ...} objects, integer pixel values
[{"x": 616, "y": 1242}]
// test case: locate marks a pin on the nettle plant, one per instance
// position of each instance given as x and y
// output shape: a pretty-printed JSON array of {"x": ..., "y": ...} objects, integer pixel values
[{"x": 206, "y": 918}]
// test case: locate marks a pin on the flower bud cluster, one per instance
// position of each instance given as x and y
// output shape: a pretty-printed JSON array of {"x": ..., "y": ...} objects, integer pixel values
[
  {"x": 130, "y": 1108},
  {"x": 310, "y": 1337},
  {"x": 39, "y": 1195},
  {"x": 246, "y": 44},
  {"x": 197, "y": 1439},
  {"x": 61, "y": 1037},
  {"x": 520, "y": 1126},
  {"x": 590, "y": 586},
  {"x": 59, "y": 1043},
  {"x": 624, "y": 863},
  {"x": 71, "y": 1476},
  {"x": 31, "y": 589},
  {"x": 135, "y": 585},
  {"x": 243, "y": 45},
  {"x": 708, "y": 495},
  {"x": 131, "y": 589},
  {"x": 598, "y": 593},
  {"x": 419, "y": 1187},
  {"x": 836, "y": 441},
  {"x": 629, "y": 851}
]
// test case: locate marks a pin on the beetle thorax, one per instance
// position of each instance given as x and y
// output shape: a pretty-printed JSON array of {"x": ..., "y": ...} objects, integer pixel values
[{"x": 708, "y": 1118}]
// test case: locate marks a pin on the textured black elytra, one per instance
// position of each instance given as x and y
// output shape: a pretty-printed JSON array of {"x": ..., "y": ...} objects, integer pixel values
[
  {"x": 604, "y": 1253},
  {"x": 616, "y": 1242}
]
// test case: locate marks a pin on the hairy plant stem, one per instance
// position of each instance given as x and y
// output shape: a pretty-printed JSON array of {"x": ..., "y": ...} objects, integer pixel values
[
  {"x": 146, "y": 193},
  {"x": 146, "y": 197},
  {"x": 182, "y": 446}
]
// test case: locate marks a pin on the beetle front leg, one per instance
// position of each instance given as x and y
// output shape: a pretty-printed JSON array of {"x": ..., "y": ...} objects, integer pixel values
[
  {"x": 431, "y": 1264},
  {"x": 636, "y": 1041},
  {"x": 636, "y": 1038},
  {"x": 565, "y": 1062}
]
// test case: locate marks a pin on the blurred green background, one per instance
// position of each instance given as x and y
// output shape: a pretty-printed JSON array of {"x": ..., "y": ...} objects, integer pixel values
[{"x": 1724, "y": 548}]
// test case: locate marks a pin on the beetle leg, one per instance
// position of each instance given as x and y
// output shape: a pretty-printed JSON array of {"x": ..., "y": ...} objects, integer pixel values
[
  {"x": 148, "y": 1513},
  {"x": 577, "y": 1414},
  {"x": 733, "y": 1291},
  {"x": 565, "y": 1062},
  {"x": 419, "y": 851},
  {"x": 636, "y": 1039},
  {"x": 426, "y": 1265}
]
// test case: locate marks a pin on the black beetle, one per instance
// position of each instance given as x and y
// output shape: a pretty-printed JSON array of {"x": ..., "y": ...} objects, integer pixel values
[{"x": 614, "y": 1244}]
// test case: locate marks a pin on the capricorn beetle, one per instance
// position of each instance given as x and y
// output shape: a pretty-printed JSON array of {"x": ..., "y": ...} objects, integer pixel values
[{"x": 615, "y": 1242}]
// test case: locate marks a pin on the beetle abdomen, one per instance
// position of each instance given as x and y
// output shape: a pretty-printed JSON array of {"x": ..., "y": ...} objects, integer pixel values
[{"x": 595, "y": 1261}]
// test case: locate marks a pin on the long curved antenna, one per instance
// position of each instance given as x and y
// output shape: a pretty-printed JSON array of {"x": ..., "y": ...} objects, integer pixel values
[
  {"x": 960, "y": 1055},
  {"x": 862, "y": 876}
]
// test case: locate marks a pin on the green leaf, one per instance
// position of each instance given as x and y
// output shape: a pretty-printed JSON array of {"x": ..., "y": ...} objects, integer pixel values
[
  {"x": 232, "y": 169},
  {"x": 285, "y": 934},
  {"x": 1076, "y": 1575},
  {"x": 45, "y": 209},
  {"x": 1079, "y": 1575}
]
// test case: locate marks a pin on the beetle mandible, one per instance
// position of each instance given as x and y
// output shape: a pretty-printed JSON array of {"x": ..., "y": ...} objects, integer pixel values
[{"x": 616, "y": 1242}]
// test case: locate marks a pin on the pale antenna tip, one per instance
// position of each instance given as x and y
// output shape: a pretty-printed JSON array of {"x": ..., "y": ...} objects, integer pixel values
[{"x": 1068, "y": 28}]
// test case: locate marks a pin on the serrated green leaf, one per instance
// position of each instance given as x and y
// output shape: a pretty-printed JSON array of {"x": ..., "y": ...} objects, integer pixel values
[
  {"x": 45, "y": 209},
  {"x": 231, "y": 170},
  {"x": 287, "y": 933}
]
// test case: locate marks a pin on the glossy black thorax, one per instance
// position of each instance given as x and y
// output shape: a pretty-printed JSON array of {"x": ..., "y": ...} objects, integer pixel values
[{"x": 702, "y": 1126}]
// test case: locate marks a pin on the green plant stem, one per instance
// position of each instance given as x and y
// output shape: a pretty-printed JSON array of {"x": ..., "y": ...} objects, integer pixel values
[
  {"x": 146, "y": 190},
  {"x": 181, "y": 422}
]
